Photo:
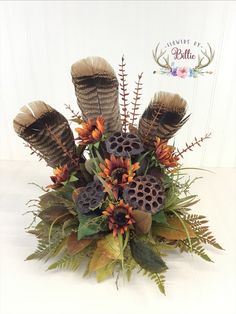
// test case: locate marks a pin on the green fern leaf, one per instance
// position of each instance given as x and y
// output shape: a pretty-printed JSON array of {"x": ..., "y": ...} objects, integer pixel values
[
  {"x": 196, "y": 248},
  {"x": 159, "y": 280},
  {"x": 41, "y": 252},
  {"x": 68, "y": 262}
]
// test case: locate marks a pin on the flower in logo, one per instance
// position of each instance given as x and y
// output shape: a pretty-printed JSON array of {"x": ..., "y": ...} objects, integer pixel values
[
  {"x": 182, "y": 72},
  {"x": 191, "y": 72},
  {"x": 174, "y": 71}
]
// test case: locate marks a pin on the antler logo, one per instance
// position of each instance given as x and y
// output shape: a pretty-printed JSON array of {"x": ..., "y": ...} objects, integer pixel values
[{"x": 172, "y": 60}]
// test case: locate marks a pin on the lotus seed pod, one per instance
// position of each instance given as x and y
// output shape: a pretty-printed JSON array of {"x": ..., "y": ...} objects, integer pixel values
[
  {"x": 124, "y": 144},
  {"x": 90, "y": 197},
  {"x": 145, "y": 193}
]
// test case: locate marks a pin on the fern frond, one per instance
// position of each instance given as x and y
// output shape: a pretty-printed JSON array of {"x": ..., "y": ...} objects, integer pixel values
[
  {"x": 68, "y": 262},
  {"x": 159, "y": 280},
  {"x": 57, "y": 249},
  {"x": 124, "y": 93},
  {"x": 41, "y": 252},
  {"x": 129, "y": 263},
  {"x": 190, "y": 147},
  {"x": 198, "y": 224},
  {"x": 135, "y": 102},
  {"x": 196, "y": 248}
]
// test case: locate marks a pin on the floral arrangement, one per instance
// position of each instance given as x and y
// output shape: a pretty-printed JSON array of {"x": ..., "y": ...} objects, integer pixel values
[{"x": 120, "y": 198}]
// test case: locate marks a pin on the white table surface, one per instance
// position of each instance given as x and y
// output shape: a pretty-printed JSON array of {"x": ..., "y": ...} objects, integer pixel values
[{"x": 193, "y": 286}]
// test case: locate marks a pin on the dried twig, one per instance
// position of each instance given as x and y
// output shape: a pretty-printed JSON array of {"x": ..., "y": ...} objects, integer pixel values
[
  {"x": 189, "y": 147},
  {"x": 34, "y": 151},
  {"x": 124, "y": 94},
  {"x": 74, "y": 114},
  {"x": 152, "y": 124},
  {"x": 135, "y": 102},
  {"x": 74, "y": 161}
]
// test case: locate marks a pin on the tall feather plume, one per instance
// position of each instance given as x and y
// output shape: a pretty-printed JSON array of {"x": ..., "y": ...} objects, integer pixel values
[
  {"x": 164, "y": 116},
  {"x": 47, "y": 132},
  {"x": 96, "y": 89}
]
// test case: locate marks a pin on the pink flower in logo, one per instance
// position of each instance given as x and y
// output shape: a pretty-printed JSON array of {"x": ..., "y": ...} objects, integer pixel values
[{"x": 182, "y": 72}]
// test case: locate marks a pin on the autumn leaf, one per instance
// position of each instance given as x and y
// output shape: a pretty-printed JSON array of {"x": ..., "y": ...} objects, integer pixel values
[
  {"x": 109, "y": 246},
  {"x": 143, "y": 221},
  {"x": 74, "y": 246},
  {"x": 108, "y": 249},
  {"x": 174, "y": 230},
  {"x": 98, "y": 261},
  {"x": 58, "y": 213}
]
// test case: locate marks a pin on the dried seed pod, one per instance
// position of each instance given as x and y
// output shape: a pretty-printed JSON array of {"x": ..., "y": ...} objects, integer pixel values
[
  {"x": 124, "y": 144},
  {"x": 90, "y": 197},
  {"x": 145, "y": 193}
]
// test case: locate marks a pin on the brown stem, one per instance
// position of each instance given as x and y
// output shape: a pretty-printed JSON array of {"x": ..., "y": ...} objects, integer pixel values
[
  {"x": 124, "y": 94},
  {"x": 152, "y": 124},
  {"x": 135, "y": 102},
  {"x": 34, "y": 151},
  {"x": 189, "y": 147},
  {"x": 69, "y": 154},
  {"x": 74, "y": 114}
]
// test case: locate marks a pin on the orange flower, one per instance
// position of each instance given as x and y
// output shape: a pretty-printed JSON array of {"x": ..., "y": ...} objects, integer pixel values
[
  {"x": 165, "y": 153},
  {"x": 91, "y": 131},
  {"x": 119, "y": 217},
  {"x": 118, "y": 171},
  {"x": 61, "y": 174}
]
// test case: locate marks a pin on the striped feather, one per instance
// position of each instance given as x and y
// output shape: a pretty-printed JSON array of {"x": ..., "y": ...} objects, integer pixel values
[
  {"x": 164, "y": 116},
  {"x": 96, "y": 89},
  {"x": 47, "y": 131}
]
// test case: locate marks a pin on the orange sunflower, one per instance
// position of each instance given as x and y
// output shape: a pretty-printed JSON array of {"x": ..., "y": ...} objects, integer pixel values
[
  {"x": 61, "y": 174},
  {"x": 119, "y": 217},
  {"x": 91, "y": 131},
  {"x": 165, "y": 153},
  {"x": 118, "y": 171}
]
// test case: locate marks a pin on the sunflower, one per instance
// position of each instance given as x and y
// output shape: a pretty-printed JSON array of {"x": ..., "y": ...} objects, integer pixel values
[
  {"x": 91, "y": 131},
  {"x": 118, "y": 171},
  {"x": 165, "y": 153},
  {"x": 119, "y": 217},
  {"x": 61, "y": 174}
]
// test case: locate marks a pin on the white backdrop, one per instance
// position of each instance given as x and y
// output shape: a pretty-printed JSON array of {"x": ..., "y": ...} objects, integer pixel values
[{"x": 40, "y": 40}]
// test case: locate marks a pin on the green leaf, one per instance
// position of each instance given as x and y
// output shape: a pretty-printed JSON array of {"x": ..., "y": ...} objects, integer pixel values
[
  {"x": 105, "y": 272},
  {"x": 160, "y": 217},
  {"x": 73, "y": 178},
  {"x": 89, "y": 226},
  {"x": 146, "y": 256},
  {"x": 96, "y": 145},
  {"x": 90, "y": 165}
]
